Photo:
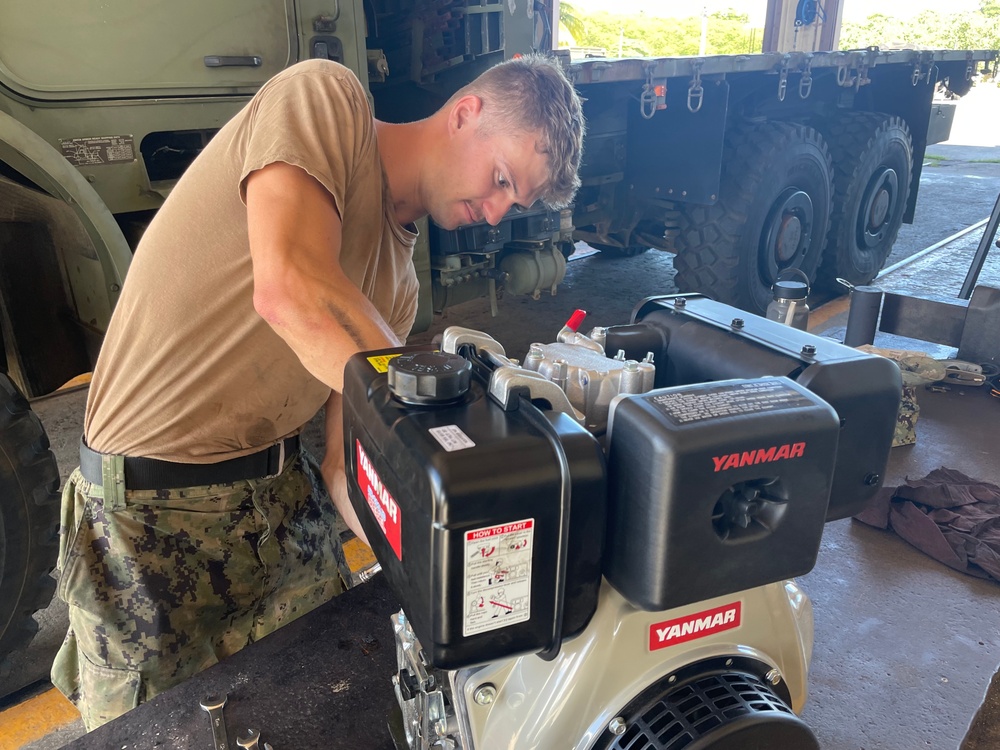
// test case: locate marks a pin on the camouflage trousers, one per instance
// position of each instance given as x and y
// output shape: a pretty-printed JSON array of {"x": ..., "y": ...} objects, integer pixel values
[
  {"x": 162, "y": 584},
  {"x": 906, "y": 418}
]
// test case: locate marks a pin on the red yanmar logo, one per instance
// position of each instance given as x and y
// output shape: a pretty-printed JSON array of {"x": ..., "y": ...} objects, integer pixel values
[
  {"x": 758, "y": 456},
  {"x": 380, "y": 502},
  {"x": 709, "y": 622}
]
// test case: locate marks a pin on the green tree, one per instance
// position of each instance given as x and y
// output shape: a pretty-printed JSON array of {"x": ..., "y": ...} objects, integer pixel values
[
  {"x": 644, "y": 34},
  {"x": 929, "y": 30},
  {"x": 571, "y": 18},
  {"x": 730, "y": 14}
]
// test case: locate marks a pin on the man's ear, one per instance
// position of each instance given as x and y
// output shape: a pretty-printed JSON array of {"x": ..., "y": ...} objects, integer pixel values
[{"x": 464, "y": 113}]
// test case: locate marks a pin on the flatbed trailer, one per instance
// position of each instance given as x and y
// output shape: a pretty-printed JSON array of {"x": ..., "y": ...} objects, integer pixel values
[{"x": 750, "y": 166}]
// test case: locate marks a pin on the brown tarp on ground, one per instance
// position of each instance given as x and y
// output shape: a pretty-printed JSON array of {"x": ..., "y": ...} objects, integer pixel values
[{"x": 951, "y": 517}]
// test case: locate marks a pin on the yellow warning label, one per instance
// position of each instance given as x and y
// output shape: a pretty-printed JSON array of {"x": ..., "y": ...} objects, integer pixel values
[{"x": 381, "y": 361}]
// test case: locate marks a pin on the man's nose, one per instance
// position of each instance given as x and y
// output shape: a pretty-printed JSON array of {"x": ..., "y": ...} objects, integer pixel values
[{"x": 495, "y": 209}]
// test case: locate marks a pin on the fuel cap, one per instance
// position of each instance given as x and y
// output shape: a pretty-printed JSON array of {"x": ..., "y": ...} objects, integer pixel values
[{"x": 429, "y": 377}]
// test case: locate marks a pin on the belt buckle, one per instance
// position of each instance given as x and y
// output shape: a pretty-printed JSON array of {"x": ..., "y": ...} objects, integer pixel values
[{"x": 281, "y": 460}]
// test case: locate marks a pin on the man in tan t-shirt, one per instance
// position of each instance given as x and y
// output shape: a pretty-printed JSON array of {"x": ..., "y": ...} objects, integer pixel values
[{"x": 195, "y": 524}]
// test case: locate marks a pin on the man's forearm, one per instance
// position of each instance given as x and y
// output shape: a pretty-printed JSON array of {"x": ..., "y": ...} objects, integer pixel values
[
  {"x": 334, "y": 475},
  {"x": 300, "y": 288},
  {"x": 324, "y": 322}
]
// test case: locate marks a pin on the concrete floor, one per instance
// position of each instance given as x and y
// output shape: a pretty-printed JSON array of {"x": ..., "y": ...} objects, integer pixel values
[{"x": 905, "y": 648}]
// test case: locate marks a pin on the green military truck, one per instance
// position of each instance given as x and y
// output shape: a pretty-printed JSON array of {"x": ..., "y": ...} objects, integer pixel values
[{"x": 741, "y": 165}]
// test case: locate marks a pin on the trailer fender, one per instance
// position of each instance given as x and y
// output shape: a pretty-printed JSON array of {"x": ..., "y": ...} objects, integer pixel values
[{"x": 35, "y": 159}]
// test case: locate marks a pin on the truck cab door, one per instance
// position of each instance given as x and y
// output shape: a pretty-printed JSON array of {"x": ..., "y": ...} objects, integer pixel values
[{"x": 52, "y": 50}]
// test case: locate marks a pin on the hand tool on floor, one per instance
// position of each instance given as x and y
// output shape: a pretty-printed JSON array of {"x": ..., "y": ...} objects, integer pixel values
[
  {"x": 250, "y": 740},
  {"x": 213, "y": 705}
]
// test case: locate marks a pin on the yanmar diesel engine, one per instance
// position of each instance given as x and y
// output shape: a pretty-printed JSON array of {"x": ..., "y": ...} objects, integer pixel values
[{"x": 595, "y": 552}]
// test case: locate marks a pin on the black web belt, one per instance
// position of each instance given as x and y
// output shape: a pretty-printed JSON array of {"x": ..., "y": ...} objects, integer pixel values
[{"x": 153, "y": 474}]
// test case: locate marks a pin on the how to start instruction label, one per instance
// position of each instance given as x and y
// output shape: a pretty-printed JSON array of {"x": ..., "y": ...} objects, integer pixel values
[{"x": 498, "y": 576}]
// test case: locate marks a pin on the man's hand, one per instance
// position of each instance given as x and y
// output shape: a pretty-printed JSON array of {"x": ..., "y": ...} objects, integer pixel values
[{"x": 333, "y": 466}]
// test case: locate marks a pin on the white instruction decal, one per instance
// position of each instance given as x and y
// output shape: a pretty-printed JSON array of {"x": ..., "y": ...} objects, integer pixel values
[
  {"x": 92, "y": 152},
  {"x": 727, "y": 400},
  {"x": 451, "y": 437},
  {"x": 498, "y": 576}
]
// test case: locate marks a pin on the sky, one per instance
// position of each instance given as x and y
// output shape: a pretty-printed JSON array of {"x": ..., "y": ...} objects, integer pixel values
[{"x": 854, "y": 10}]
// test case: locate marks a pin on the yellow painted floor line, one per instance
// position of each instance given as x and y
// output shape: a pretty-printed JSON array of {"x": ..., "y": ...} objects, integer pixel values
[
  {"x": 831, "y": 309},
  {"x": 77, "y": 381},
  {"x": 358, "y": 555},
  {"x": 35, "y": 718}
]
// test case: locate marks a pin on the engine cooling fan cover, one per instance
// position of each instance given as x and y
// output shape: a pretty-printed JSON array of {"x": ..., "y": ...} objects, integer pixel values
[{"x": 719, "y": 704}]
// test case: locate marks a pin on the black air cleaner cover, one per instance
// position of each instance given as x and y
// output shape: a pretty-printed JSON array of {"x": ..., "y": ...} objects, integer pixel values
[{"x": 716, "y": 488}]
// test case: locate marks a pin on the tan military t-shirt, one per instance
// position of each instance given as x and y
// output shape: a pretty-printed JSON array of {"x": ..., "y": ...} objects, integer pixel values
[{"x": 188, "y": 370}]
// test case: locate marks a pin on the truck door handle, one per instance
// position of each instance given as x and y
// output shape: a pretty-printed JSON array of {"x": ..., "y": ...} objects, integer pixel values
[
  {"x": 240, "y": 61},
  {"x": 326, "y": 47}
]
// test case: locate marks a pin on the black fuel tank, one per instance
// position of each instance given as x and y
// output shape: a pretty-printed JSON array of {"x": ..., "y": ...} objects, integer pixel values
[{"x": 475, "y": 513}]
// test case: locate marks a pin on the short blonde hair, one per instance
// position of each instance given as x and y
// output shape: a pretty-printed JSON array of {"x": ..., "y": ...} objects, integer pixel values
[{"x": 531, "y": 93}]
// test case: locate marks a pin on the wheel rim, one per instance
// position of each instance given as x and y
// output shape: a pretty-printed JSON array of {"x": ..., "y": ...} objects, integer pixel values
[
  {"x": 787, "y": 233},
  {"x": 877, "y": 207}
]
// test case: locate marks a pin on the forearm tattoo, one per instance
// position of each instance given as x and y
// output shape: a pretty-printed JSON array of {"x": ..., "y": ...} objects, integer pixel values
[{"x": 343, "y": 318}]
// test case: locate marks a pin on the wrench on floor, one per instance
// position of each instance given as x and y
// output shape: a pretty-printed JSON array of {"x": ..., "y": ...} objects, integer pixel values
[
  {"x": 213, "y": 705},
  {"x": 250, "y": 740}
]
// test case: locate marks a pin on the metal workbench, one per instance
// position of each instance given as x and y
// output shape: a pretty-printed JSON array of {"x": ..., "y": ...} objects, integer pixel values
[{"x": 322, "y": 682}]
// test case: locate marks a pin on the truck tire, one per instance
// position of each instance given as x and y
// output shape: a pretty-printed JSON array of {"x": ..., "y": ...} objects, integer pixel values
[
  {"x": 773, "y": 214},
  {"x": 873, "y": 163},
  {"x": 29, "y": 518}
]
